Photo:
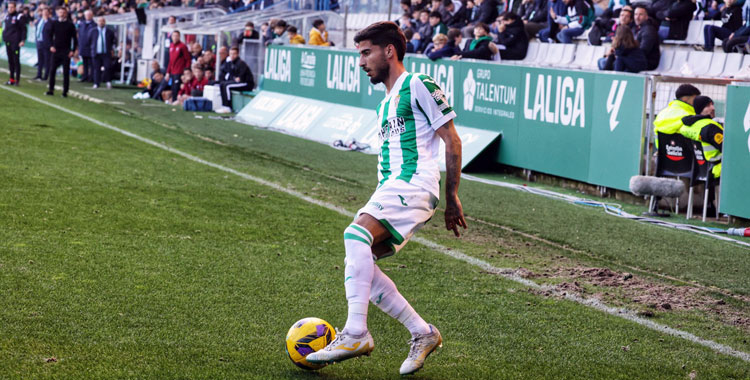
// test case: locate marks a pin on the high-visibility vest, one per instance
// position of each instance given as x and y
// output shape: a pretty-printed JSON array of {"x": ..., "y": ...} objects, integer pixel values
[
  {"x": 710, "y": 152},
  {"x": 669, "y": 120}
]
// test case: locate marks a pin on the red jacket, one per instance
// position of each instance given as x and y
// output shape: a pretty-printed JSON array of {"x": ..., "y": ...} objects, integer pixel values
[
  {"x": 198, "y": 85},
  {"x": 179, "y": 58},
  {"x": 187, "y": 88}
]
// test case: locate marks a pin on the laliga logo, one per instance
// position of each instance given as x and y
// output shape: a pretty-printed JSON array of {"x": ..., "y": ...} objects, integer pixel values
[
  {"x": 614, "y": 103},
  {"x": 470, "y": 88},
  {"x": 746, "y": 123}
]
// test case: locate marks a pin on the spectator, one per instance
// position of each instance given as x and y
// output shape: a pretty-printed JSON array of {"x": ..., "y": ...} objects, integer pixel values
[
  {"x": 42, "y": 44},
  {"x": 436, "y": 22},
  {"x": 199, "y": 81},
  {"x": 647, "y": 36},
  {"x": 196, "y": 51},
  {"x": 425, "y": 32},
  {"x": 555, "y": 7},
  {"x": 235, "y": 75},
  {"x": 179, "y": 60},
  {"x": 579, "y": 14},
  {"x": 614, "y": 7},
  {"x": 186, "y": 88},
  {"x": 411, "y": 44},
  {"x": 248, "y": 34},
  {"x": 739, "y": 37},
  {"x": 103, "y": 48},
  {"x": 675, "y": 26},
  {"x": 512, "y": 35},
  {"x": 486, "y": 14},
  {"x": 405, "y": 6},
  {"x": 608, "y": 27},
  {"x": 669, "y": 119},
  {"x": 85, "y": 28},
  {"x": 405, "y": 22},
  {"x": 534, "y": 16},
  {"x": 418, "y": 5},
  {"x": 453, "y": 14},
  {"x": 278, "y": 34},
  {"x": 294, "y": 37},
  {"x": 626, "y": 52},
  {"x": 731, "y": 18},
  {"x": 422, "y": 20},
  {"x": 442, "y": 48},
  {"x": 479, "y": 46},
  {"x": 319, "y": 34}
]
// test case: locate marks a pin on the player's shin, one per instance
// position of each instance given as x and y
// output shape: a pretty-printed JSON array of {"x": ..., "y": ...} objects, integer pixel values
[
  {"x": 386, "y": 296},
  {"x": 357, "y": 277}
]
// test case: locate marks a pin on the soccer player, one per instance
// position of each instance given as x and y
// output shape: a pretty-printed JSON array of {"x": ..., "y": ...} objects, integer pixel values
[{"x": 413, "y": 117}]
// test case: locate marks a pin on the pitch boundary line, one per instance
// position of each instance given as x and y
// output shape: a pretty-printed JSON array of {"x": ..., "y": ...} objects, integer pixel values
[{"x": 506, "y": 273}]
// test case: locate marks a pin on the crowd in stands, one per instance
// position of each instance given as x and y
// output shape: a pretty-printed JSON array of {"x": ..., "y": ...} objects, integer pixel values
[{"x": 491, "y": 30}]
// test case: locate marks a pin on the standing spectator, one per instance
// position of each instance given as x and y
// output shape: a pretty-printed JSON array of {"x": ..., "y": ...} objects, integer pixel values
[
  {"x": 512, "y": 35},
  {"x": 454, "y": 15},
  {"x": 675, "y": 26},
  {"x": 14, "y": 35},
  {"x": 479, "y": 47},
  {"x": 731, "y": 18},
  {"x": 64, "y": 43},
  {"x": 85, "y": 27},
  {"x": 103, "y": 47},
  {"x": 235, "y": 74},
  {"x": 43, "y": 45},
  {"x": 294, "y": 37},
  {"x": 319, "y": 34},
  {"x": 647, "y": 36},
  {"x": 179, "y": 60},
  {"x": 534, "y": 16},
  {"x": 248, "y": 34},
  {"x": 740, "y": 37}
]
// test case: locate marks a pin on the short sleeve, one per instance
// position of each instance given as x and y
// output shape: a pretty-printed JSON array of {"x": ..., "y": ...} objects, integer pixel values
[{"x": 431, "y": 101}]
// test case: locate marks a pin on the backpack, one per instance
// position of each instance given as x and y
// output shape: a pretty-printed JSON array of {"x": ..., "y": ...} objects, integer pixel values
[{"x": 197, "y": 104}]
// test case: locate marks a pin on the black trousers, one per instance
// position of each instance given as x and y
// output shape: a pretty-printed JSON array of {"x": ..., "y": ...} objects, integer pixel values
[
  {"x": 43, "y": 61},
  {"x": 226, "y": 91},
  {"x": 729, "y": 45},
  {"x": 102, "y": 68},
  {"x": 176, "y": 82},
  {"x": 14, "y": 60},
  {"x": 87, "y": 69},
  {"x": 56, "y": 61}
]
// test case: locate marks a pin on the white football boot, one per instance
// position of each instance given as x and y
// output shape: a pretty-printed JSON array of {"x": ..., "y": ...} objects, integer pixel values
[
  {"x": 344, "y": 347},
  {"x": 422, "y": 346}
]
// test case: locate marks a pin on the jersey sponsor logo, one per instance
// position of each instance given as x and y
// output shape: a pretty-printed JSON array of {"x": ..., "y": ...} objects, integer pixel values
[
  {"x": 279, "y": 65},
  {"x": 441, "y": 74},
  {"x": 342, "y": 73},
  {"x": 614, "y": 101},
  {"x": 393, "y": 127},
  {"x": 563, "y": 103}
]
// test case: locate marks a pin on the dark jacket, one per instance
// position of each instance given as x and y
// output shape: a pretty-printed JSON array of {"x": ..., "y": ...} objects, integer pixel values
[
  {"x": 450, "y": 49},
  {"x": 516, "y": 41},
  {"x": 708, "y": 133},
  {"x": 680, "y": 14},
  {"x": 254, "y": 36},
  {"x": 631, "y": 60},
  {"x": 660, "y": 8},
  {"x": 84, "y": 37},
  {"x": 648, "y": 39},
  {"x": 236, "y": 69},
  {"x": 457, "y": 20},
  {"x": 45, "y": 42},
  {"x": 481, "y": 50},
  {"x": 535, "y": 11},
  {"x": 14, "y": 29},
  {"x": 731, "y": 17},
  {"x": 63, "y": 37},
  {"x": 488, "y": 12},
  {"x": 109, "y": 41}
]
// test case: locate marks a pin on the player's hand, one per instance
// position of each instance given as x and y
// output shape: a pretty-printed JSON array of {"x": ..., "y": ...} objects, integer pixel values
[{"x": 454, "y": 216}]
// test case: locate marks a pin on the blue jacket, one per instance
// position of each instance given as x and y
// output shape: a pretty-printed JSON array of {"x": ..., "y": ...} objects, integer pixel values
[
  {"x": 109, "y": 41},
  {"x": 84, "y": 37},
  {"x": 446, "y": 51}
]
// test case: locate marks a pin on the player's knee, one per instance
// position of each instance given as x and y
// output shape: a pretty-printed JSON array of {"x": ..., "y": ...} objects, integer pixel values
[{"x": 357, "y": 233}]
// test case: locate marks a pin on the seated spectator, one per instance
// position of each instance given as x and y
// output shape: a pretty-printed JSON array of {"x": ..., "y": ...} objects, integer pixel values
[
  {"x": 675, "y": 25},
  {"x": 441, "y": 48},
  {"x": 647, "y": 36},
  {"x": 512, "y": 35},
  {"x": 731, "y": 18},
  {"x": 578, "y": 17},
  {"x": 155, "y": 85},
  {"x": 405, "y": 22},
  {"x": 186, "y": 87},
  {"x": 277, "y": 36},
  {"x": 486, "y": 14},
  {"x": 614, "y": 8},
  {"x": 436, "y": 22},
  {"x": 738, "y": 39},
  {"x": 608, "y": 27},
  {"x": 199, "y": 81},
  {"x": 235, "y": 75},
  {"x": 411, "y": 43},
  {"x": 422, "y": 20},
  {"x": 479, "y": 46},
  {"x": 534, "y": 16},
  {"x": 248, "y": 34},
  {"x": 625, "y": 53},
  {"x": 319, "y": 34},
  {"x": 294, "y": 37},
  {"x": 196, "y": 51},
  {"x": 701, "y": 127},
  {"x": 453, "y": 14}
]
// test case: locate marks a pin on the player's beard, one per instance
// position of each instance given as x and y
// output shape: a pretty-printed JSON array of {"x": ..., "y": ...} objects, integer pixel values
[{"x": 382, "y": 73}]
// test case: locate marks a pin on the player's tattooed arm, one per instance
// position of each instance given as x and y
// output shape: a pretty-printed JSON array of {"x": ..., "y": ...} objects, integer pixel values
[{"x": 454, "y": 214}]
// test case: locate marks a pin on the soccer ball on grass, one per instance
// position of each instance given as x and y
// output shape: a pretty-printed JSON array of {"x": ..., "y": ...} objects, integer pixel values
[{"x": 305, "y": 337}]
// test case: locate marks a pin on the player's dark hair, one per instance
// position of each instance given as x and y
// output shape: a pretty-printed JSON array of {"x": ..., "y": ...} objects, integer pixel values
[
  {"x": 318, "y": 22},
  {"x": 384, "y": 33}
]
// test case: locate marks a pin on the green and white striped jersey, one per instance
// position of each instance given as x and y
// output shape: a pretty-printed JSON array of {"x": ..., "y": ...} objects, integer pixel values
[{"x": 408, "y": 116}]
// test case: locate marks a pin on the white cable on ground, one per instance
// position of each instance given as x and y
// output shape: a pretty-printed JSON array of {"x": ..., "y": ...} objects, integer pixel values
[{"x": 611, "y": 209}]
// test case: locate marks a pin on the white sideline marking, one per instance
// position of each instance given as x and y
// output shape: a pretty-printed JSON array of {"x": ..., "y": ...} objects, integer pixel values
[{"x": 509, "y": 274}]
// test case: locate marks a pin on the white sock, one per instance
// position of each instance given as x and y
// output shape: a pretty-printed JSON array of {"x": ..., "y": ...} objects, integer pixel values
[
  {"x": 385, "y": 296},
  {"x": 357, "y": 277}
]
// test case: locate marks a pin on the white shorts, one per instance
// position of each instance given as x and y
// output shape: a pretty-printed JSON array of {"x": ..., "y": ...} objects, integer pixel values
[{"x": 402, "y": 208}]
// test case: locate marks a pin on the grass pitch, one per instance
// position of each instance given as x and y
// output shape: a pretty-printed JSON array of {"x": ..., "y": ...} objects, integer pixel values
[{"x": 121, "y": 260}]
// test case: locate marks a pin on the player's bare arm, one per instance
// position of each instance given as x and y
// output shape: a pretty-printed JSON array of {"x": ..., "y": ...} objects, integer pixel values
[{"x": 454, "y": 214}]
